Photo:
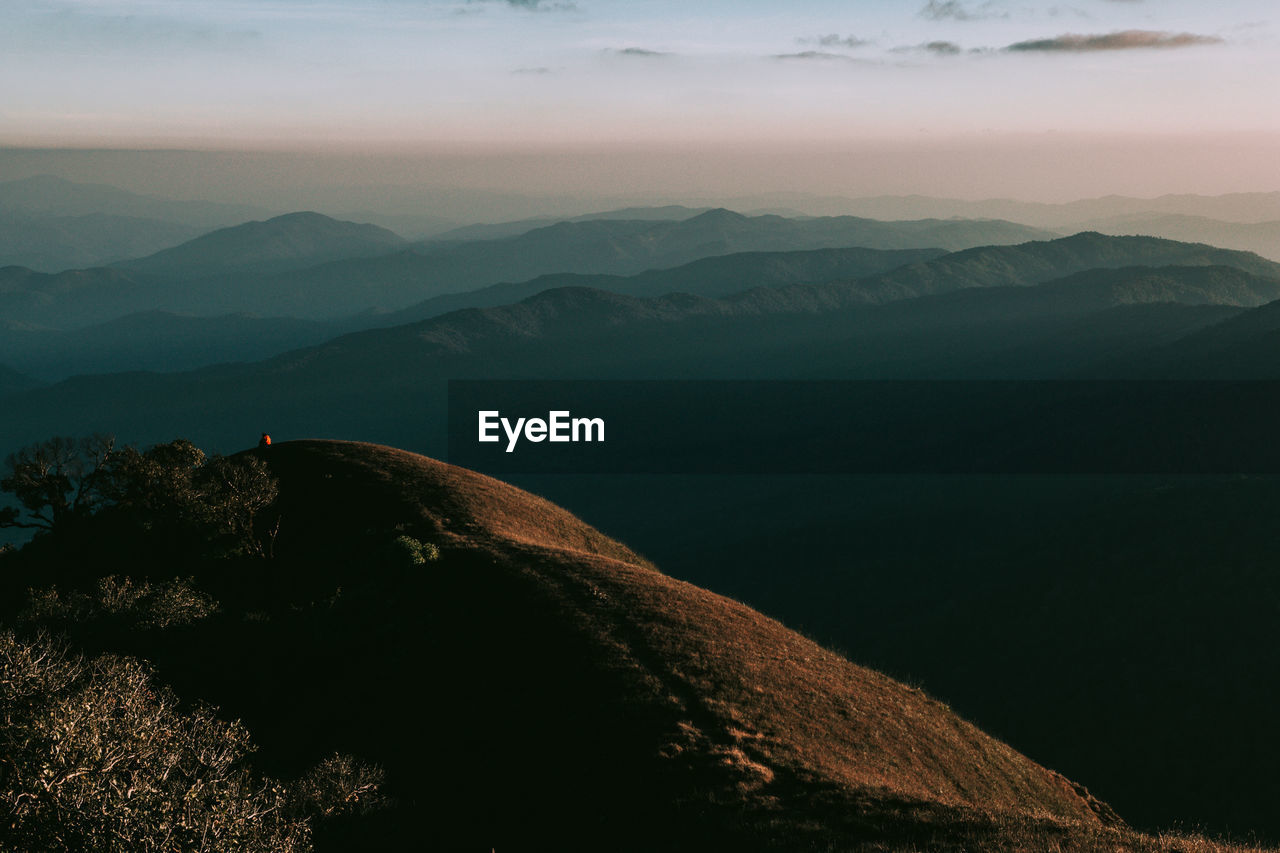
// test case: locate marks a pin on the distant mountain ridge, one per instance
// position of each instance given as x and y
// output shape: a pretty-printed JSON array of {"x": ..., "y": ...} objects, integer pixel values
[
  {"x": 291, "y": 241},
  {"x": 1231, "y": 207},
  {"x": 1037, "y": 262},
  {"x": 1260, "y": 237},
  {"x": 155, "y": 341},
  {"x": 614, "y": 247},
  {"x": 240, "y": 269},
  {"x": 55, "y": 243},
  {"x": 865, "y": 328},
  {"x": 49, "y": 196},
  {"x": 161, "y": 340},
  {"x": 834, "y": 330},
  {"x": 709, "y": 277},
  {"x": 499, "y": 230},
  {"x": 71, "y": 298}
]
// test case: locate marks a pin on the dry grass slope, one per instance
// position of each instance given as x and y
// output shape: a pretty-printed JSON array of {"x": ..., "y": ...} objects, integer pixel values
[{"x": 754, "y": 729}]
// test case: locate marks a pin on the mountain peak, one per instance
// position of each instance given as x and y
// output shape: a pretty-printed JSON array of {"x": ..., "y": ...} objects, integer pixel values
[
  {"x": 715, "y": 216},
  {"x": 290, "y": 241}
]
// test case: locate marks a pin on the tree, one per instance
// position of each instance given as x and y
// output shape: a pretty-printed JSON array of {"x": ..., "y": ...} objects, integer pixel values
[
  {"x": 173, "y": 489},
  {"x": 231, "y": 494},
  {"x": 153, "y": 485},
  {"x": 55, "y": 482}
]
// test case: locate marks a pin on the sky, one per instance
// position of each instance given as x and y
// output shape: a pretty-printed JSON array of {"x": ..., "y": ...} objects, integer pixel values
[{"x": 772, "y": 95}]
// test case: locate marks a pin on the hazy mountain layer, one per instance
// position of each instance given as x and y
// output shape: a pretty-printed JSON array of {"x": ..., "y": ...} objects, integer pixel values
[
  {"x": 232, "y": 270},
  {"x": 1232, "y": 207},
  {"x": 383, "y": 382},
  {"x": 155, "y": 340},
  {"x": 56, "y": 243},
  {"x": 292, "y": 241},
  {"x": 71, "y": 298},
  {"x": 1260, "y": 237},
  {"x": 499, "y": 230},
  {"x": 610, "y": 247},
  {"x": 48, "y": 196},
  {"x": 1037, "y": 262},
  {"x": 711, "y": 277}
]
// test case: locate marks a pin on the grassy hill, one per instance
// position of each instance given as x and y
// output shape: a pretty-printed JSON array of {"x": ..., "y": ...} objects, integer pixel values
[{"x": 541, "y": 685}]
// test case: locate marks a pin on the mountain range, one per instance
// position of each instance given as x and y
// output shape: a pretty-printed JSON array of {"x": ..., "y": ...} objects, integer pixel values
[
  {"x": 709, "y": 277},
  {"x": 1073, "y": 215},
  {"x": 385, "y": 383},
  {"x": 159, "y": 340},
  {"x": 216, "y": 279},
  {"x": 51, "y": 224}
]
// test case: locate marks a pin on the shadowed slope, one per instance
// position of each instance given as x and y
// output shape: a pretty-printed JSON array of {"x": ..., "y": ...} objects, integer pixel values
[
  {"x": 591, "y": 687},
  {"x": 12, "y": 381}
]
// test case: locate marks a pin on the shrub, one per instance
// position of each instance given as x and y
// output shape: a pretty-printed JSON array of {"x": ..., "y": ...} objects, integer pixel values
[
  {"x": 409, "y": 551},
  {"x": 95, "y": 756},
  {"x": 140, "y": 603}
]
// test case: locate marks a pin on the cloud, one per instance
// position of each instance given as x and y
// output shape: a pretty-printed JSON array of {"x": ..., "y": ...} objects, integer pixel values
[
  {"x": 813, "y": 54},
  {"x": 541, "y": 69},
  {"x": 834, "y": 40},
  {"x": 939, "y": 48},
  {"x": 942, "y": 48},
  {"x": 954, "y": 10},
  {"x": 637, "y": 51},
  {"x": 537, "y": 5},
  {"x": 1125, "y": 40}
]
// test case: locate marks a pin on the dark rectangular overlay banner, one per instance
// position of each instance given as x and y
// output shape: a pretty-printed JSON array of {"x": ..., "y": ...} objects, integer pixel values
[{"x": 865, "y": 427}]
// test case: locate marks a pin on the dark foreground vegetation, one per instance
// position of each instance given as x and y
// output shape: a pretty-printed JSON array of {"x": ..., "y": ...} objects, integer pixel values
[{"x": 429, "y": 659}]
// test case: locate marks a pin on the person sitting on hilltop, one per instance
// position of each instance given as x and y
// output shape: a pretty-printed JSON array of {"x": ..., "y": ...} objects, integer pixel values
[{"x": 265, "y": 441}]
